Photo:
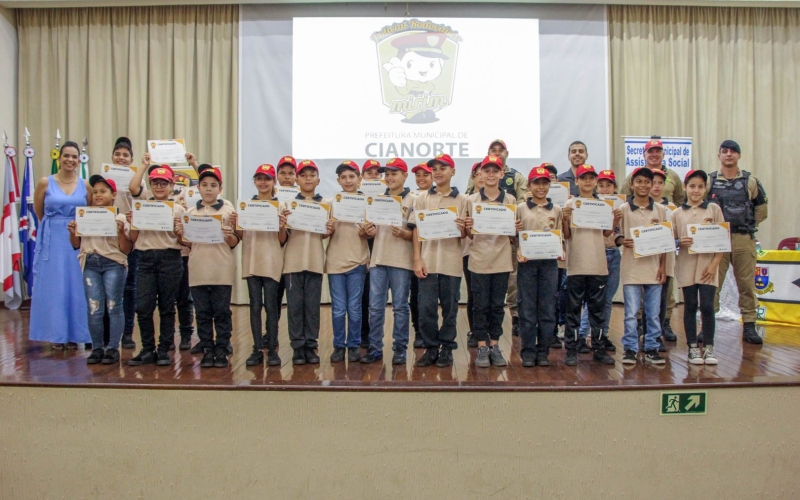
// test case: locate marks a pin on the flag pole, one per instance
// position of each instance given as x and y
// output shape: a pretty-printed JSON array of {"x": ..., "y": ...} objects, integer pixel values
[
  {"x": 84, "y": 159},
  {"x": 28, "y": 222},
  {"x": 10, "y": 254}
]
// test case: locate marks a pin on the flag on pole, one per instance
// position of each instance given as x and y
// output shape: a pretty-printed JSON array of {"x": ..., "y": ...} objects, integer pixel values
[
  {"x": 55, "y": 153},
  {"x": 10, "y": 255},
  {"x": 28, "y": 223},
  {"x": 84, "y": 160}
]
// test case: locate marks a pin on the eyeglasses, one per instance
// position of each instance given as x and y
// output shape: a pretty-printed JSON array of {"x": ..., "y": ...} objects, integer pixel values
[{"x": 159, "y": 183}]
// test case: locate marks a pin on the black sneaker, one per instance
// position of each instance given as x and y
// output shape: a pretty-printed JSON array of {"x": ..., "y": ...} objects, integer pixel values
[
  {"x": 556, "y": 344},
  {"x": 399, "y": 358},
  {"x": 127, "y": 341},
  {"x": 572, "y": 357},
  {"x": 583, "y": 347},
  {"x": 338, "y": 355},
  {"x": 661, "y": 346},
  {"x": 162, "y": 358},
  {"x": 186, "y": 343},
  {"x": 198, "y": 348},
  {"x": 372, "y": 356},
  {"x": 208, "y": 359},
  {"x": 418, "y": 343},
  {"x": 229, "y": 348},
  {"x": 429, "y": 358},
  {"x": 542, "y": 359},
  {"x": 602, "y": 356},
  {"x": 515, "y": 326},
  {"x": 610, "y": 347},
  {"x": 652, "y": 356},
  {"x": 528, "y": 360},
  {"x": 667, "y": 333},
  {"x": 496, "y": 356},
  {"x": 143, "y": 358},
  {"x": 299, "y": 357},
  {"x": 256, "y": 358},
  {"x": 221, "y": 357},
  {"x": 445, "y": 358},
  {"x": 750, "y": 334},
  {"x": 171, "y": 346},
  {"x": 95, "y": 357},
  {"x": 273, "y": 359},
  {"x": 629, "y": 358},
  {"x": 353, "y": 354},
  {"x": 111, "y": 356},
  {"x": 472, "y": 340},
  {"x": 311, "y": 356}
]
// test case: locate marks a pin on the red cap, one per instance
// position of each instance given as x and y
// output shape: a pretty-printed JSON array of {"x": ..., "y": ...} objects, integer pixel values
[
  {"x": 538, "y": 173},
  {"x": 99, "y": 178},
  {"x": 265, "y": 169},
  {"x": 306, "y": 164},
  {"x": 211, "y": 172},
  {"x": 550, "y": 167},
  {"x": 500, "y": 142},
  {"x": 443, "y": 159},
  {"x": 287, "y": 159},
  {"x": 395, "y": 164},
  {"x": 654, "y": 143},
  {"x": 422, "y": 166},
  {"x": 371, "y": 164},
  {"x": 584, "y": 169},
  {"x": 347, "y": 164},
  {"x": 607, "y": 175},
  {"x": 476, "y": 166},
  {"x": 696, "y": 173},
  {"x": 492, "y": 160},
  {"x": 163, "y": 172},
  {"x": 659, "y": 172}
]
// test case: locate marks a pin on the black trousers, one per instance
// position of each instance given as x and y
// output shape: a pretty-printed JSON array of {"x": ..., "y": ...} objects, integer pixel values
[
  {"x": 365, "y": 301},
  {"x": 413, "y": 304},
  {"x": 488, "y": 295},
  {"x": 185, "y": 304},
  {"x": 662, "y": 311},
  {"x": 279, "y": 297},
  {"x": 303, "y": 295},
  {"x": 590, "y": 289},
  {"x": 434, "y": 290},
  {"x": 537, "y": 288},
  {"x": 706, "y": 304},
  {"x": 470, "y": 300},
  {"x": 160, "y": 273},
  {"x": 263, "y": 292},
  {"x": 213, "y": 310}
]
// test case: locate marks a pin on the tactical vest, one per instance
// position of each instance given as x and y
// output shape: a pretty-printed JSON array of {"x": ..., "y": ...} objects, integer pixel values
[
  {"x": 733, "y": 198},
  {"x": 508, "y": 182}
]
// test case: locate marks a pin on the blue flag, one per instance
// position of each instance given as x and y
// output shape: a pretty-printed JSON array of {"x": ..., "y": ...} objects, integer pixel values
[{"x": 27, "y": 225}]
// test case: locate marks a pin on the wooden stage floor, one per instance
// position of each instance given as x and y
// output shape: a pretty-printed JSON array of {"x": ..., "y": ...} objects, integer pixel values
[{"x": 777, "y": 362}]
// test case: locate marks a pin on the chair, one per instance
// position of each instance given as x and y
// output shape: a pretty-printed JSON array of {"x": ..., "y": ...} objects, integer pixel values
[{"x": 789, "y": 244}]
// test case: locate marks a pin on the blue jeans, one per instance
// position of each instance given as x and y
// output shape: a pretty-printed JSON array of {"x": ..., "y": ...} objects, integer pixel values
[
  {"x": 382, "y": 279},
  {"x": 346, "y": 291},
  {"x": 652, "y": 304},
  {"x": 104, "y": 285},
  {"x": 613, "y": 258}
]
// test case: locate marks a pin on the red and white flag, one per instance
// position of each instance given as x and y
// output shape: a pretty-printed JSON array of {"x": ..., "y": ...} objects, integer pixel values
[{"x": 10, "y": 251}]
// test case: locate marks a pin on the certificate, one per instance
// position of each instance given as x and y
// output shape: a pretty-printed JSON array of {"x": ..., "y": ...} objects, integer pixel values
[
  {"x": 618, "y": 199},
  {"x": 258, "y": 215},
  {"x": 285, "y": 194},
  {"x": 593, "y": 214},
  {"x": 559, "y": 193},
  {"x": 192, "y": 196},
  {"x": 538, "y": 245},
  {"x": 166, "y": 150},
  {"x": 120, "y": 174},
  {"x": 153, "y": 216},
  {"x": 709, "y": 238},
  {"x": 489, "y": 218},
  {"x": 652, "y": 239},
  {"x": 308, "y": 216},
  {"x": 373, "y": 188},
  {"x": 384, "y": 210},
  {"x": 203, "y": 228},
  {"x": 348, "y": 207},
  {"x": 437, "y": 224},
  {"x": 96, "y": 221}
]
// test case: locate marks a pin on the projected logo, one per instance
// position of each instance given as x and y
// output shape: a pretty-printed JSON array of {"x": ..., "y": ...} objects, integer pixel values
[{"x": 417, "y": 65}]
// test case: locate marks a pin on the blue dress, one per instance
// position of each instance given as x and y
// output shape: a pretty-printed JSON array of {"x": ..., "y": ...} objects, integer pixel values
[{"x": 58, "y": 305}]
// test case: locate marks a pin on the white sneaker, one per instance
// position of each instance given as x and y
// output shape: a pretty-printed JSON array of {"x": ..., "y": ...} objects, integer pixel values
[
  {"x": 708, "y": 355},
  {"x": 695, "y": 358}
]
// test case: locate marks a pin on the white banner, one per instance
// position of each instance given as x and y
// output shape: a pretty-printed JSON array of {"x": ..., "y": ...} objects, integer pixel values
[{"x": 677, "y": 153}]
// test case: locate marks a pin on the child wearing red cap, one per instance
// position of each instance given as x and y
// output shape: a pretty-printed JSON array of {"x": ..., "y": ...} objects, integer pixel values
[
  {"x": 371, "y": 171},
  {"x": 104, "y": 261},
  {"x": 287, "y": 178},
  {"x": 424, "y": 181},
  {"x": 262, "y": 265},
  {"x": 476, "y": 178}
]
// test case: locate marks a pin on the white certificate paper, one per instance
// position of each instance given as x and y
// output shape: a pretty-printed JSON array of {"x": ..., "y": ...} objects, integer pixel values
[
  {"x": 539, "y": 245},
  {"x": 166, "y": 150},
  {"x": 153, "y": 216},
  {"x": 384, "y": 210},
  {"x": 559, "y": 193},
  {"x": 652, "y": 239},
  {"x": 308, "y": 216},
  {"x": 437, "y": 224},
  {"x": 709, "y": 238},
  {"x": 192, "y": 196},
  {"x": 285, "y": 194},
  {"x": 121, "y": 175},
  {"x": 203, "y": 228},
  {"x": 618, "y": 199},
  {"x": 96, "y": 221},
  {"x": 593, "y": 214},
  {"x": 373, "y": 188},
  {"x": 491, "y": 218},
  {"x": 348, "y": 207},
  {"x": 258, "y": 215}
]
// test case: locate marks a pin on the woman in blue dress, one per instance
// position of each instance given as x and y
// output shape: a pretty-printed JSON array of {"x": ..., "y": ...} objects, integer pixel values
[{"x": 58, "y": 305}]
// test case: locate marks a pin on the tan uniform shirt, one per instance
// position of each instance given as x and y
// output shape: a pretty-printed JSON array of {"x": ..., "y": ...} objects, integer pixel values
[
  {"x": 586, "y": 250},
  {"x": 673, "y": 187},
  {"x": 388, "y": 250},
  {"x": 303, "y": 250},
  {"x": 539, "y": 217},
  {"x": 346, "y": 248},
  {"x": 689, "y": 266},
  {"x": 486, "y": 249},
  {"x": 159, "y": 240},
  {"x": 107, "y": 247},
  {"x": 212, "y": 263},
  {"x": 262, "y": 253},
  {"x": 641, "y": 271},
  {"x": 441, "y": 256}
]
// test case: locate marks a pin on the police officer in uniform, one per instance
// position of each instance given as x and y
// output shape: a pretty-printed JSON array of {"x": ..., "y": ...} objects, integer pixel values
[{"x": 744, "y": 205}]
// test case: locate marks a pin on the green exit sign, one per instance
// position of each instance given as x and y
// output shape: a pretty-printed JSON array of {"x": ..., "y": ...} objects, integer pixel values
[{"x": 684, "y": 403}]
